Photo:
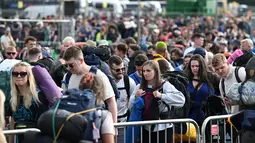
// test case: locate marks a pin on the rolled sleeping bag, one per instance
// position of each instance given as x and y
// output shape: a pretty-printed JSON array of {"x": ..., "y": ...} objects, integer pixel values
[
  {"x": 46, "y": 84},
  {"x": 37, "y": 137},
  {"x": 248, "y": 94},
  {"x": 73, "y": 130}
]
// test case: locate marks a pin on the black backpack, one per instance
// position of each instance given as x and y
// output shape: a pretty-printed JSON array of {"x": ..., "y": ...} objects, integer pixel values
[
  {"x": 243, "y": 60},
  {"x": 59, "y": 73},
  {"x": 103, "y": 52},
  {"x": 180, "y": 81}
]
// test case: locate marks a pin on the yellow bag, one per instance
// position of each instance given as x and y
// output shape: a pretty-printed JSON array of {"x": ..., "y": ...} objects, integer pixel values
[{"x": 185, "y": 137}]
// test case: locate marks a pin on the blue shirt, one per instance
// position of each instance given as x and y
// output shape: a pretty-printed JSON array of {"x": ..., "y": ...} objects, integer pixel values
[
  {"x": 136, "y": 78},
  {"x": 196, "y": 112}
]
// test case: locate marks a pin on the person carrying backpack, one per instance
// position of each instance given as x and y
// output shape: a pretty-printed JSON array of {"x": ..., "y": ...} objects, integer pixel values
[
  {"x": 126, "y": 86},
  {"x": 75, "y": 62},
  {"x": 242, "y": 94},
  {"x": 27, "y": 101},
  {"x": 88, "y": 122},
  {"x": 229, "y": 75},
  {"x": 199, "y": 87},
  {"x": 159, "y": 96}
]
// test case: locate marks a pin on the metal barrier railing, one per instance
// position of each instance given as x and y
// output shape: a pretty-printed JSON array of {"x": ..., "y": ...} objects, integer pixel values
[
  {"x": 216, "y": 129},
  {"x": 19, "y": 131},
  {"x": 171, "y": 121}
]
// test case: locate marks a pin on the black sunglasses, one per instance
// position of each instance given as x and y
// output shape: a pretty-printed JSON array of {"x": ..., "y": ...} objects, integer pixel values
[
  {"x": 118, "y": 70},
  {"x": 16, "y": 74},
  {"x": 11, "y": 53},
  {"x": 70, "y": 65}
]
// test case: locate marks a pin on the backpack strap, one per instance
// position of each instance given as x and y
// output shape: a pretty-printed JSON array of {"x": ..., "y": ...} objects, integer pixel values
[
  {"x": 127, "y": 85},
  {"x": 223, "y": 87},
  {"x": 237, "y": 75},
  {"x": 127, "y": 88},
  {"x": 93, "y": 69},
  {"x": 67, "y": 79}
]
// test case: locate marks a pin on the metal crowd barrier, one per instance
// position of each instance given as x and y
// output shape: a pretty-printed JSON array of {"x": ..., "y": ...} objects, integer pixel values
[
  {"x": 19, "y": 131},
  {"x": 174, "y": 122},
  {"x": 218, "y": 130}
]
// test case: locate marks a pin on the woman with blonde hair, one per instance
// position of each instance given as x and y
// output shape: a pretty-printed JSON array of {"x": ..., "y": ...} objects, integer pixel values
[
  {"x": 93, "y": 82},
  {"x": 2, "y": 121},
  {"x": 27, "y": 101}
]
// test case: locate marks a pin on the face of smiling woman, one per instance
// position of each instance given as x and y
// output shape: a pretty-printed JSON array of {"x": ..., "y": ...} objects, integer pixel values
[{"x": 19, "y": 75}]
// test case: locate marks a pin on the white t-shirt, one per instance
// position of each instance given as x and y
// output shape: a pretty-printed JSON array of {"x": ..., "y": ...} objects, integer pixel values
[
  {"x": 107, "y": 126},
  {"x": 6, "y": 40},
  {"x": 122, "y": 101},
  {"x": 74, "y": 82}
]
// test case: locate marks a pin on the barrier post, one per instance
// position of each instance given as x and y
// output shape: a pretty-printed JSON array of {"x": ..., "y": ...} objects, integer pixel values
[{"x": 217, "y": 129}]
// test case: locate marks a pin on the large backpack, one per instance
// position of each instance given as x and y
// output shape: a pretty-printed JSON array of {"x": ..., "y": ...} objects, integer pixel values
[
  {"x": 5, "y": 74},
  {"x": 180, "y": 81},
  {"x": 58, "y": 74},
  {"x": 6, "y": 88},
  {"x": 75, "y": 100},
  {"x": 93, "y": 69},
  {"x": 103, "y": 52},
  {"x": 46, "y": 84},
  {"x": 243, "y": 60}
]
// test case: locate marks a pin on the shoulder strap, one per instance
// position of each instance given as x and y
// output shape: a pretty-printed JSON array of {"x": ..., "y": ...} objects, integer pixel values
[
  {"x": 67, "y": 79},
  {"x": 223, "y": 87},
  {"x": 237, "y": 75},
  {"x": 127, "y": 85},
  {"x": 93, "y": 69}
]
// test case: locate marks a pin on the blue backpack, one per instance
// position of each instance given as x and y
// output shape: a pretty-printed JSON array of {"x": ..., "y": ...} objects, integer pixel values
[{"x": 75, "y": 100}]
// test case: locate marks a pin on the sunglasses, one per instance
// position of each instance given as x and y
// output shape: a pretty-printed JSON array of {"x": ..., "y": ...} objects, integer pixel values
[
  {"x": 118, "y": 70},
  {"x": 11, "y": 53},
  {"x": 71, "y": 65},
  {"x": 16, "y": 74}
]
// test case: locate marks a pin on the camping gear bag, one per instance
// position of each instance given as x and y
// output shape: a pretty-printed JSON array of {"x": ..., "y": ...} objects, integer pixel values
[
  {"x": 180, "y": 81},
  {"x": 46, "y": 84},
  {"x": 84, "y": 102},
  {"x": 73, "y": 129}
]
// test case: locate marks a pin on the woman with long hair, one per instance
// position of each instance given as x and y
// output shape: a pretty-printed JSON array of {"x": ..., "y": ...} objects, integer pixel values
[
  {"x": 27, "y": 101},
  {"x": 199, "y": 86},
  {"x": 159, "y": 96}
]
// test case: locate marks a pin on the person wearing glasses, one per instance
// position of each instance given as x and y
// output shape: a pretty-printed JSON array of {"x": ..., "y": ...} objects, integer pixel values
[
  {"x": 10, "y": 52},
  {"x": 27, "y": 102},
  {"x": 126, "y": 86},
  {"x": 76, "y": 65}
]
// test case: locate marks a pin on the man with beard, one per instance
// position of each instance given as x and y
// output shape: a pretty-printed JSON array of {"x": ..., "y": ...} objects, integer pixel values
[{"x": 126, "y": 86}]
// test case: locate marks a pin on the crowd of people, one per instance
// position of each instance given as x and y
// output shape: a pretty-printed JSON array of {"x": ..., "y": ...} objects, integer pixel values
[{"x": 216, "y": 61}]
